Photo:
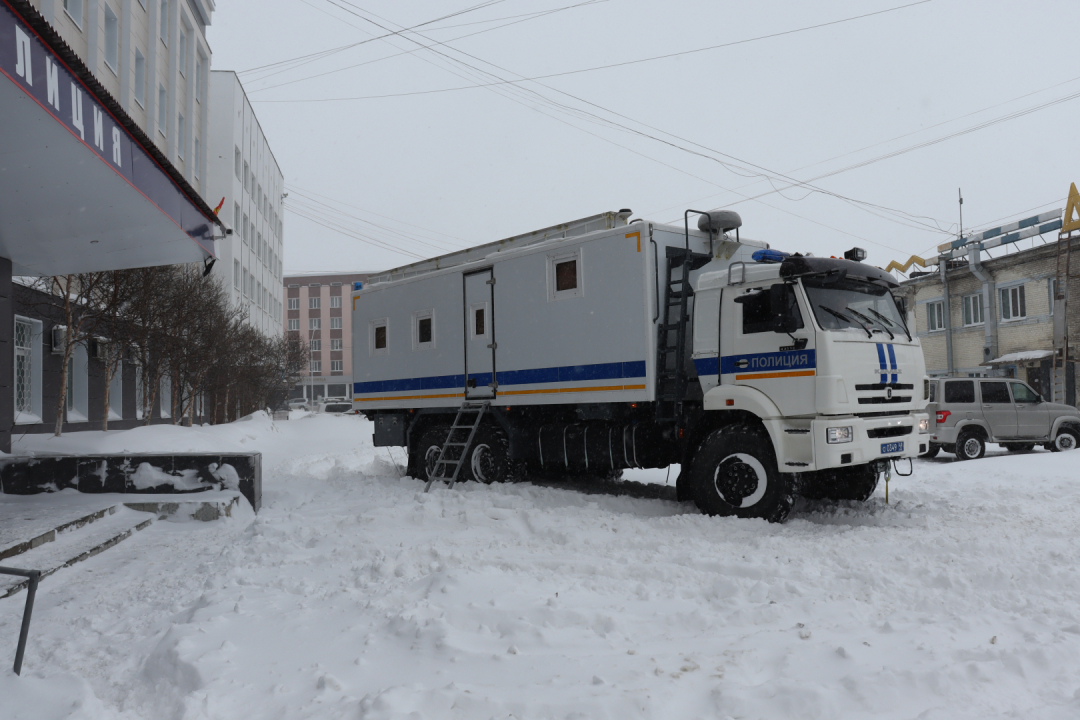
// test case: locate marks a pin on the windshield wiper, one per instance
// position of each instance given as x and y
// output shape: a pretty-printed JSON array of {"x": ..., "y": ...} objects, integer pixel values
[
  {"x": 902, "y": 325},
  {"x": 870, "y": 320},
  {"x": 845, "y": 318}
]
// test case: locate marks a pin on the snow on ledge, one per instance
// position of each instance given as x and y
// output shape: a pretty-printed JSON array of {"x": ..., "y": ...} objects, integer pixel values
[{"x": 1025, "y": 356}]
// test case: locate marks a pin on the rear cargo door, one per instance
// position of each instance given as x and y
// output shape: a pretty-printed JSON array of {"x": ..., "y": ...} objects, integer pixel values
[{"x": 480, "y": 346}]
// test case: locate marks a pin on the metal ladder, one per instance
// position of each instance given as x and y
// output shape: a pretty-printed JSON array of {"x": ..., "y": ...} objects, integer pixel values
[
  {"x": 671, "y": 375},
  {"x": 446, "y": 461}
]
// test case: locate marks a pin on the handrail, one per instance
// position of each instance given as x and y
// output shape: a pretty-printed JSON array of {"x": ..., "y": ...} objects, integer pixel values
[{"x": 34, "y": 576}]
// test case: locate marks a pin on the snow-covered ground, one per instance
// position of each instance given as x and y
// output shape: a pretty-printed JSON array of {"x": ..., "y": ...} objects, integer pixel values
[{"x": 355, "y": 595}]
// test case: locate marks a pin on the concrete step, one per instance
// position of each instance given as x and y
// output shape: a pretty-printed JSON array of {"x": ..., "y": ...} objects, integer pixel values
[
  {"x": 25, "y": 527},
  {"x": 74, "y": 543}
]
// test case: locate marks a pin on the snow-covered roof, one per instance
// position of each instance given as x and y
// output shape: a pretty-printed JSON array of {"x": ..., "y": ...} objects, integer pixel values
[{"x": 1025, "y": 356}]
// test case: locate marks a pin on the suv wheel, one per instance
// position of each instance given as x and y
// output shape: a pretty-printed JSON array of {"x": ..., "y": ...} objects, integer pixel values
[
  {"x": 970, "y": 446},
  {"x": 1067, "y": 439}
]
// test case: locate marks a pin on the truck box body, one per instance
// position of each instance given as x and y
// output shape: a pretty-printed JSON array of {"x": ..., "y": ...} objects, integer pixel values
[{"x": 589, "y": 343}]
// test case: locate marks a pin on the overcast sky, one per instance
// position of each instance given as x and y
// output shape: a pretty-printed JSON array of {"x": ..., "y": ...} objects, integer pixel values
[{"x": 422, "y": 172}]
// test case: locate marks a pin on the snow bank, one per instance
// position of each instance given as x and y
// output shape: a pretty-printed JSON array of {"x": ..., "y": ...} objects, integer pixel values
[{"x": 354, "y": 594}]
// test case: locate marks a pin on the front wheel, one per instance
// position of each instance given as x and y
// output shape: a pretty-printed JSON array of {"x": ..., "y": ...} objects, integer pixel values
[
  {"x": 1067, "y": 439},
  {"x": 970, "y": 446},
  {"x": 735, "y": 474}
]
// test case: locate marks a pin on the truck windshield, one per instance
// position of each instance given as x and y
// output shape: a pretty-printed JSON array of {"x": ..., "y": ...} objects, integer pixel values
[{"x": 850, "y": 304}]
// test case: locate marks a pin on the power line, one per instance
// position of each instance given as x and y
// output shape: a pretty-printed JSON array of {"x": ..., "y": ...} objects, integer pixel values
[
  {"x": 532, "y": 16},
  {"x": 612, "y": 65},
  {"x": 609, "y": 122}
]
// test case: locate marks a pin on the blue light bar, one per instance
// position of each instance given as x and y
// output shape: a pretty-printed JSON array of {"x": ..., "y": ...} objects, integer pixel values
[
  {"x": 770, "y": 256},
  {"x": 358, "y": 285}
]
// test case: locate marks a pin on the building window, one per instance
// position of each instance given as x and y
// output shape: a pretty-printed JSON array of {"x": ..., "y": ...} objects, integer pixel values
[
  {"x": 335, "y": 344},
  {"x": 112, "y": 38},
  {"x": 335, "y": 323},
  {"x": 236, "y": 274},
  {"x": 294, "y": 324},
  {"x": 316, "y": 366},
  {"x": 294, "y": 303},
  {"x": 195, "y": 160},
  {"x": 336, "y": 365},
  {"x": 180, "y": 136},
  {"x": 164, "y": 31},
  {"x": 116, "y": 393},
  {"x": 423, "y": 329},
  {"x": 935, "y": 317},
  {"x": 161, "y": 99},
  {"x": 140, "y": 78},
  {"x": 198, "y": 80},
  {"x": 314, "y": 303},
  {"x": 378, "y": 342},
  {"x": 77, "y": 404},
  {"x": 316, "y": 345},
  {"x": 259, "y": 245},
  {"x": 1052, "y": 287},
  {"x": 27, "y": 370},
  {"x": 973, "y": 310},
  {"x": 314, "y": 324},
  {"x": 243, "y": 229},
  {"x": 247, "y": 186},
  {"x": 182, "y": 54},
  {"x": 335, "y": 301},
  {"x": 74, "y": 10},
  {"x": 1013, "y": 304},
  {"x": 236, "y": 163}
]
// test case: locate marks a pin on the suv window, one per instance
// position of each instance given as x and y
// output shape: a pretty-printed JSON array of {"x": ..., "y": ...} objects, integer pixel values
[
  {"x": 1023, "y": 394},
  {"x": 960, "y": 391},
  {"x": 995, "y": 392}
]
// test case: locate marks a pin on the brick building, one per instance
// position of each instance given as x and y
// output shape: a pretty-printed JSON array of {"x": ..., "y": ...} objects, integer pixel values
[
  {"x": 998, "y": 325},
  {"x": 318, "y": 310}
]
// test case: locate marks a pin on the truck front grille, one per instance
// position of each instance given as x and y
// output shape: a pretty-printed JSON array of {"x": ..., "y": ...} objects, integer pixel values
[
  {"x": 882, "y": 386},
  {"x": 888, "y": 432}
]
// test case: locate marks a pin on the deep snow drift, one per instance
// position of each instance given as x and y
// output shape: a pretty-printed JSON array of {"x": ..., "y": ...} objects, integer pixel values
[{"x": 355, "y": 595}]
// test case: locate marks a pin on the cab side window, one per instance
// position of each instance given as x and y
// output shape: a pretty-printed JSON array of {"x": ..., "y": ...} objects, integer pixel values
[
  {"x": 995, "y": 392},
  {"x": 757, "y": 314},
  {"x": 960, "y": 391},
  {"x": 1023, "y": 394}
]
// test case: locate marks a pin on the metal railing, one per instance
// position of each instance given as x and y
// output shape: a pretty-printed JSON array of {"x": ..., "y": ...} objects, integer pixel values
[{"x": 31, "y": 590}]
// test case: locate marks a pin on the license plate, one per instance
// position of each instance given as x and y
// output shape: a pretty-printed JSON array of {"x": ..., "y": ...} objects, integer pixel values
[{"x": 890, "y": 448}]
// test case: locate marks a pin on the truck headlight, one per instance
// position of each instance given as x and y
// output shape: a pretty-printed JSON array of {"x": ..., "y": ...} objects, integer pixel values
[
  {"x": 924, "y": 425},
  {"x": 837, "y": 435}
]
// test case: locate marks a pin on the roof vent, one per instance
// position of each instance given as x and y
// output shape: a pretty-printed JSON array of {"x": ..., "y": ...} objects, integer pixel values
[{"x": 721, "y": 221}]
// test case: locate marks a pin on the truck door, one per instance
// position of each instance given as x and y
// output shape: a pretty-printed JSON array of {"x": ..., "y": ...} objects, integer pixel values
[
  {"x": 479, "y": 293},
  {"x": 754, "y": 354}
]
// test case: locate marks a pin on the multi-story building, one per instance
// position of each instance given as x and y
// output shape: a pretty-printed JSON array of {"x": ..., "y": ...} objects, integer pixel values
[
  {"x": 244, "y": 175},
  {"x": 319, "y": 313},
  {"x": 103, "y": 105},
  {"x": 153, "y": 58},
  {"x": 1000, "y": 324}
]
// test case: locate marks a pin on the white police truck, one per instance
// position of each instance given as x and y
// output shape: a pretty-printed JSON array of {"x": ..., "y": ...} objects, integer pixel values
[{"x": 598, "y": 345}]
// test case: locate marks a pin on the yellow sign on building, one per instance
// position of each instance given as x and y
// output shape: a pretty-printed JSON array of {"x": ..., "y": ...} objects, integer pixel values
[{"x": 1071, "y": 220}]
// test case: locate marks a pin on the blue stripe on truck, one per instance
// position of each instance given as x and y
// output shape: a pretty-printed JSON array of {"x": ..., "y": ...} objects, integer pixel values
[{"x": 535, "y": 376}]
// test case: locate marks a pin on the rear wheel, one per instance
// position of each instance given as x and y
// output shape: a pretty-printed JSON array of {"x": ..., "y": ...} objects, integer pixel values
[
  {"x": 1067, "y": 439},
  {"x": 970, "y": 446},
  {"x": 426, "y": 453},
  {"x": 489, "y": 457},
  {"x": 735, "y": 474}
]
